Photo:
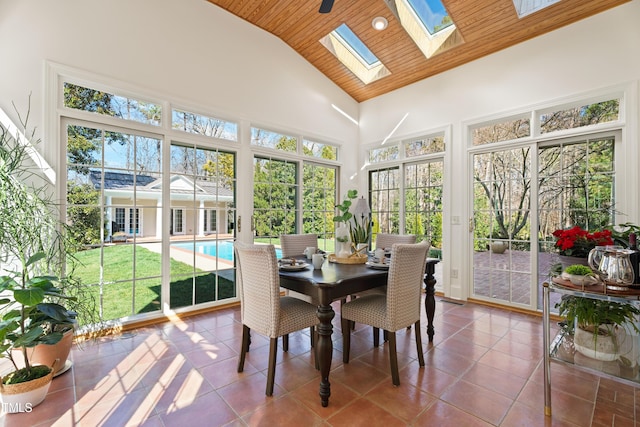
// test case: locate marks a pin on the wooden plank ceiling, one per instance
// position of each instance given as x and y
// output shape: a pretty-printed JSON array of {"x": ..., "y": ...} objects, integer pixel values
[{"x": 486, "y": 26}]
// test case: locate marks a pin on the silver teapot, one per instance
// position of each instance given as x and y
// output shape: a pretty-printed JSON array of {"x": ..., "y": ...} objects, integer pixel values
[{"x": 614, "y": 266}]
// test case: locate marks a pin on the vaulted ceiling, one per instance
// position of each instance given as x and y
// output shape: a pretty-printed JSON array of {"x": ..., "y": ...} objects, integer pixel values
[{"x": 485, "y": 26}]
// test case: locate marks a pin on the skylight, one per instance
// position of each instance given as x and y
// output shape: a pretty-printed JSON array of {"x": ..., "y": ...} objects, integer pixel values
[
  {"x": 354, "y": 54},
  {"x": 432, "y": 14},
  {"x": 350, "y": 40},
  {"x": 428, "y": 23},
  {"x": 527, "y": 7}
]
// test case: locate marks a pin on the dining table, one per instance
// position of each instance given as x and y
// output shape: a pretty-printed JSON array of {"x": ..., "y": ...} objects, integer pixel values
[{"x": 336, "y": 281}]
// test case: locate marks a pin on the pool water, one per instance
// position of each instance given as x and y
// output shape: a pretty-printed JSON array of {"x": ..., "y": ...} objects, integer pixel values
[{"x": 221, "y": 248}]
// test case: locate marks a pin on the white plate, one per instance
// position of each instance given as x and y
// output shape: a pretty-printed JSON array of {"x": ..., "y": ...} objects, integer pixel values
[
  {"x": 377, "y": 265},
  {"x": 296, "y": 267}
]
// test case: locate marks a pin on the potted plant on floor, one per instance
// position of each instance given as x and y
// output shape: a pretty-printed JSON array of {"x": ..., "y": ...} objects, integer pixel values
[
  {"x": 600, "y": 327},
  {"x": 33, "y": 255},
  {"x": 26, "y": 317}
]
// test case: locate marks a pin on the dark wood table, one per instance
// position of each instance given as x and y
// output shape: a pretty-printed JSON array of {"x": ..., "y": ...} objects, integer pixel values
[{"x": 337, "y": 281}]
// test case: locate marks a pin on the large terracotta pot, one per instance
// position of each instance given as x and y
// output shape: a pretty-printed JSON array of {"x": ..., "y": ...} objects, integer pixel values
[{"x": 47, "y": 354}]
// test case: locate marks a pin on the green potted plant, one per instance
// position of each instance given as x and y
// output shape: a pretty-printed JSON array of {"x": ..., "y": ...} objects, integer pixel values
[
  {"x": 38, "y": 295},
  {"x": 599, "y": 326},
  {"x": 359, "y": 227},
  {"x": 26, "y": 316},
  {"x": 580, "y": 275}
]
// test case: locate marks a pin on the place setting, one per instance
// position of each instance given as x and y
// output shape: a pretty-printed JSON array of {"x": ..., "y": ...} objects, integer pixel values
[
  {"x": 292, "y": 264},
  {"x": 379, "y": 259}
]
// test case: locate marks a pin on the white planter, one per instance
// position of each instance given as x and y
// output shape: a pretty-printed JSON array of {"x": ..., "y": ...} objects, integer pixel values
[
  {"x": 23, "y": 397},
  {"x": 342, "y": 249},
  {"x": 603, "y": 347}
]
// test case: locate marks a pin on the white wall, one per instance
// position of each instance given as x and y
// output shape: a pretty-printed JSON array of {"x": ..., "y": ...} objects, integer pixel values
[
  {"x": 188, "y": 51},
  {"x": 597, "y": 52},
  {"x": 195, "y": 53}
]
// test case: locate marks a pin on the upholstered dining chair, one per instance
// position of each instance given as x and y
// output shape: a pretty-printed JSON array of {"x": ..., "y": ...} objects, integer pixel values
[
  {"x": 295, "y": 244},
  {"x": 398, "y": 309},
  {"x": 292, "y": 245},
  {"x": 262, "y": 308},
  {"x": 385, "y": 241}
]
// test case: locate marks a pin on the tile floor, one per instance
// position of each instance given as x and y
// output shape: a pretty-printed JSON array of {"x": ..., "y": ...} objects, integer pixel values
[{"x": 484, "y": 368}]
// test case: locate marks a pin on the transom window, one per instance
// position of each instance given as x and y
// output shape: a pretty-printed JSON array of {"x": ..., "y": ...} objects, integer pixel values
[
  {"x": 203, "y": 125},
  {"x": 110, "y": 104},
  {"x": 275, "y": 140}
]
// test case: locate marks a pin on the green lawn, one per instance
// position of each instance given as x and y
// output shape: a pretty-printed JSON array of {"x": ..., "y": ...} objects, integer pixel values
[{"x": 122, "y": 296}]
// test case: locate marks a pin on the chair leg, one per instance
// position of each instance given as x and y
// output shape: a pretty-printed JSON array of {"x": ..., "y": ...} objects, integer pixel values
[
  {"x": 376, "y": 337},
  {"x": 393, "y": 358},
  {"x": 271, "y": 372},
  {"x": 244, "y": 347},
  {"x": 311, "y": 336},
  {"x": 285, "y": 342},
  {"x": 419, "y": 344},
  {"x": 346, "y": 341}
]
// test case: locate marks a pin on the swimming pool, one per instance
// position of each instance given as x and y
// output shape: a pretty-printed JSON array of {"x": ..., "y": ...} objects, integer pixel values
[{"x": 221, "y": 248}]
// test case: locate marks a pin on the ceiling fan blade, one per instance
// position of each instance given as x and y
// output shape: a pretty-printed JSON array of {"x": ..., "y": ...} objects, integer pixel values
[{"x": 326, "y": 6}]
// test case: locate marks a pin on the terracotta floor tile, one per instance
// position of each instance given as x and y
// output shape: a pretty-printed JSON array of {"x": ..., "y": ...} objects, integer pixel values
[
  {"x": 485, "y": 404},
  {"x": 521, "y": 415},
  {"x": 518, "y": 366},
  {"x": 206, "y": 410},
  {"x": 449, "y": 362},
  {"x": 404, "y": 401},
  {"x": 360, "y": 376},
  {"x": 341, "y": 396},
  {"x": 248, "y": 394},
  {"x": 179, "y": 391},
  {"x": 463, "y": 347},
  {"x": 225, "y": 372},
  {"x": 478, "y": 337},
  {"x": 443, "y": 414},
  {"x": 285, "y": 412},
  {"x": 483, "y": 368},
  {"x": 428, "y": 378},
  {"x": 495, "y": 379},
  {"x": 368, "y": 415}
]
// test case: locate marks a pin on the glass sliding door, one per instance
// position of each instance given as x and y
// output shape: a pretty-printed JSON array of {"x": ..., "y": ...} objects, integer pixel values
[
  {"x": 384, "y": 190},
  {"x": 501, "y": 218},
  {"x": 275, "y": 189},
  {"x": 318, "y": 203},
  {"x": 114, "y": 216},
  {"x": 202, "y": 182}
]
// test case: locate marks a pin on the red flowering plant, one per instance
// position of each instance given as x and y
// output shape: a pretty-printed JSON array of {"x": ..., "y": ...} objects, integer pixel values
[{"x": 578, "y": 242}]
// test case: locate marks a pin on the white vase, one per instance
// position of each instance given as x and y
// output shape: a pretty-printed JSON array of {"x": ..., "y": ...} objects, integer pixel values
[{"x": 342, "y": 244}]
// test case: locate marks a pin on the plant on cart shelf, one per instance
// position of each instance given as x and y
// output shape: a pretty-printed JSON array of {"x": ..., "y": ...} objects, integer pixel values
[{"x": 598, "y": 325}]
